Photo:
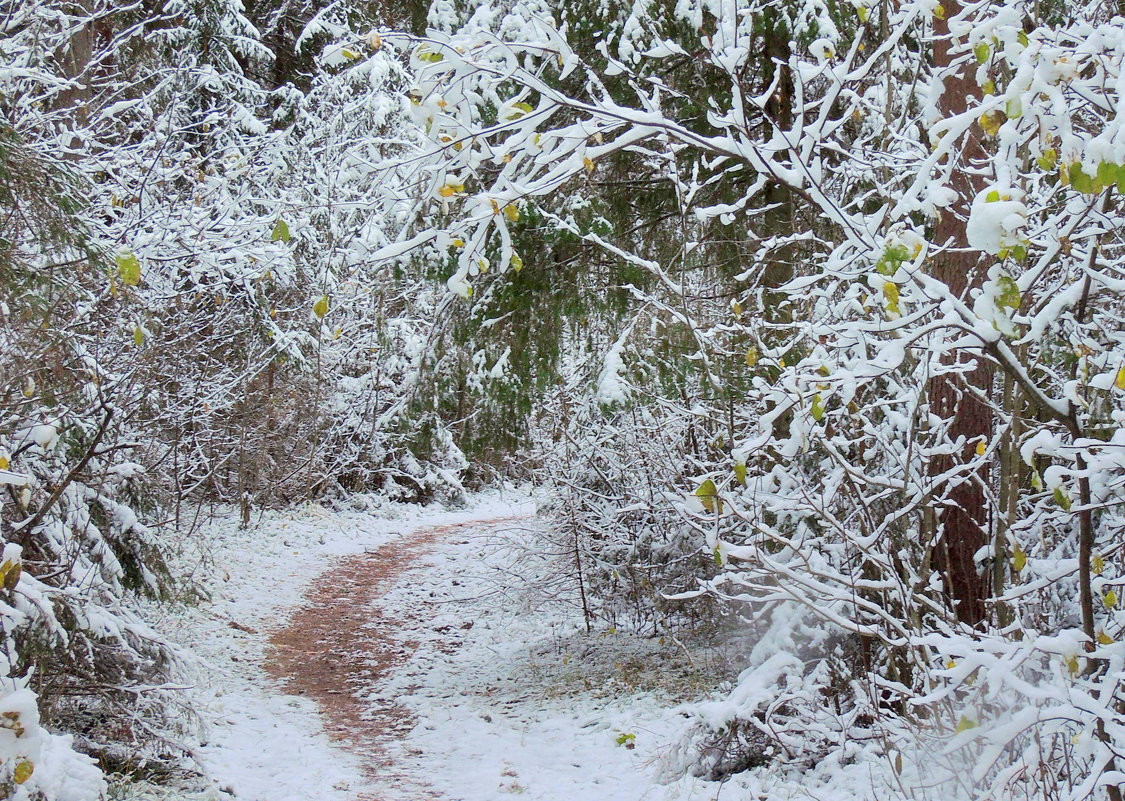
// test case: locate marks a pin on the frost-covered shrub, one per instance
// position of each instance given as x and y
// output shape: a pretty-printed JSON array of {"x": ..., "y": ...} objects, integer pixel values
[
  {"x": 36, "y": 765},
  {"x": 916, "y": 354}
]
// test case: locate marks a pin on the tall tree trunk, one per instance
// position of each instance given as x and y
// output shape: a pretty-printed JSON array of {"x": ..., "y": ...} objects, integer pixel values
[{"x": 963, "y": 521}]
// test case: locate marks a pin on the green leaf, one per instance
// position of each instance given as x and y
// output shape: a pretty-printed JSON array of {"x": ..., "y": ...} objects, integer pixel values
[
  {"x": 1062, "y": 499},
  {"x": 1080, "y": 180},
  {"x": 1107, "y": 173},
  {"x": 128, "y": 268},
  {"x": 964, "y": 724},
  {"x": 320, "y": 308},
  {"x": 993, "y": 196},
  {"x": 280, "y": 231},
  {"x": 1009, "y": 294},
  {"x": 981, "y": 50},
  {"x": 138, "y": 336},
  {"x": 1048, "y": 160},
  {"x": 1013, "y": 109},
  {"x": 1021, "y": 37}
]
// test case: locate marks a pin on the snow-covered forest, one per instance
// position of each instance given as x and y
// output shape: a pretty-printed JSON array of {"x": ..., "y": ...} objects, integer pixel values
[{"x": 800, "y": 324}]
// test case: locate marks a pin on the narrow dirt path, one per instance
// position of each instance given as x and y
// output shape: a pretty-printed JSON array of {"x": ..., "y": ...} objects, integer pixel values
[{"x": 341, "y": 643}]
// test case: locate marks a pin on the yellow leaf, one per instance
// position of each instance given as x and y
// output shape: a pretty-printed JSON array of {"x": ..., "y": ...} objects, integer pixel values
[
  {"x": 1109, "y": 599},
  {"x": 4, "y": 463},
  {"x": 22, "y": 772},
  {"x": 991, "y": 121},
  {"x": 817, "y": 408},
  {"x": 1119, "y": 382},
  {"x": 512, "y": 212},
  {"x": 939, "y": 11},
  {"x": 751, "y": 357},
  {"x": 320, "y": 308},
  {"x": 495, "y": 206},
  {"x": 964, "y": 724},
  {"x": 1019, "y": 558},
  {"x": 708, "y": 495},
  {"x": 446, "y": 191},
  {"x": 736, "y": 308},
  {"x": 981, "y": 448},
  {"x": 516, "y": 262},
  {"x": 890, "y": 292},
  {"x": 952, "y": 663},
  {"x": 1097, "y": 565},
  {"x": 458, "y": 243},
  {"x": 128, "y": 268},
  {"x": 1073, "y": 665},
  {"x": 138, "y": 336},
  {"x": 1104, "y": 639},
  {"x": 740, "y": 472},
  {"x": 588, "y": 164}
]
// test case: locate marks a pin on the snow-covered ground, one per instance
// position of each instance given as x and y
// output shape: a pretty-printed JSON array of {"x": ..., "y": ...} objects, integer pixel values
[
  {"x": 258, "y": 743},
  {"x": 510, "y": 694}
]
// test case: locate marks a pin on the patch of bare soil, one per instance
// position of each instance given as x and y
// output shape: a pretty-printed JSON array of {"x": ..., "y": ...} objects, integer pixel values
[{"x": 341, "y": 643}]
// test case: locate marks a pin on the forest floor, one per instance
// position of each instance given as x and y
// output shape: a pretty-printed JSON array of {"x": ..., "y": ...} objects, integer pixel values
[{"x": 392, "y": 653}]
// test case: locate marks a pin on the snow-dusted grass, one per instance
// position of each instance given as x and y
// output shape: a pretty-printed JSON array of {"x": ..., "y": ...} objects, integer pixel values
[{"x": 530, "y": 704}]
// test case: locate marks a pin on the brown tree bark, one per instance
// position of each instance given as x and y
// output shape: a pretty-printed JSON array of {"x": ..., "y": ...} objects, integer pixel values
[{"x": 963, "y": 521}]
